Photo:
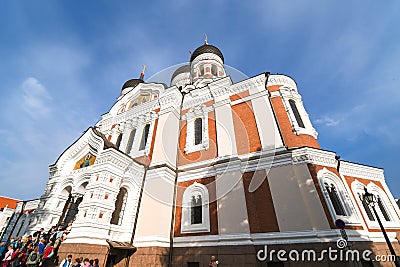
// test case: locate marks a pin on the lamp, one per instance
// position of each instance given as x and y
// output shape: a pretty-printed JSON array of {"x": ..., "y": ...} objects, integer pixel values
[{"x": 371, "y": 199}]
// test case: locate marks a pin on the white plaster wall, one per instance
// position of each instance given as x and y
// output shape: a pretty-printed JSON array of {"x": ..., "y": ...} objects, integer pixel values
[
  {"x": 231, "y": 204},
  {"x": 296, "y": 202},
  {"x": 266, "y": 124},
  {"x": 154, "y": 221},
  {"x": 225, "y": 131},
  {"x": 166, "y": 142}
]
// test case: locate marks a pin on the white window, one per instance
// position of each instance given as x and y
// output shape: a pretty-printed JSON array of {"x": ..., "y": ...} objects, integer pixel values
[
  {"x": 298, "y": 116},
  {"x": 384, "y": 207},
  {"x": 337, "y": 197},
  {"x": 195, "y": 209},
  {"x": 296, "y": 113},
  {"x": 334, "y": 198},
  {"x": 197, "y": 130},
  {"x": 139, "y": 134}
]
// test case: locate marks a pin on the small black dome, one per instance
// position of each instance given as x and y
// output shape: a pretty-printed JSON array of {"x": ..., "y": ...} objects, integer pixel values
[
  {"x": 131, "y": 83},
  {"x": 180, "y": 70},
  {"x": 206, "y": 48}
]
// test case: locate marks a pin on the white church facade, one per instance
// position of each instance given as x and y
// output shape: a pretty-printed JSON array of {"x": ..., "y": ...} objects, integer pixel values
[{"x": 172, "y": 175}]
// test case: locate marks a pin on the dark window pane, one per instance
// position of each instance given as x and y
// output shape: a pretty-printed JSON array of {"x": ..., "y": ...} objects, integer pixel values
[
  {"x": 383, "y": 210},
  {"x": 118, "y": 143},
  {"x": 196, "y": 210},
  {"x": 198, "y": 131},
  {"x": 367, "y": 208},
  {"x": 201, "y": 70},
  {"x": 120, "y": 203},
  {"x": 130, "y": 141},
  {"x": 335, "y": 199},
  {"x": 143, "y": 142},
  {"x": 214, "y": 70},
  {"x": 296, "y": 113}
]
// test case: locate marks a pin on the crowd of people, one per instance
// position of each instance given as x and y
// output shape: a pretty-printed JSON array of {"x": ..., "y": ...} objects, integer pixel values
[{"x": 40, "y": 249}]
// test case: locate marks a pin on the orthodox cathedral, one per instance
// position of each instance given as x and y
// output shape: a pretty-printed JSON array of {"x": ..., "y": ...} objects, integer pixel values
[{"x": 174, "y": 174}]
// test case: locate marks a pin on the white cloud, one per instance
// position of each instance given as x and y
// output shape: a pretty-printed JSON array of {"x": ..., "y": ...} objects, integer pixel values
[
  {"x": 35, "y": 98},
  {"x": 328, "y": 121}
]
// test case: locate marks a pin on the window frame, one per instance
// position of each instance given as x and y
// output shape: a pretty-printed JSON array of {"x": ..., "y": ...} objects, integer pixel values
[
  {"x": 333, "y": 192},
  {"x": 145, "y": 137},
  {"x": 198, "y": 131},
  {"x": 359, "y": 188},
  {"x": 288, "y": 94},
  {"x": 344, "y": 195},
  {"x": 191, "y": 117},
  {"x": 296, "y": 113},
  {"x": 196, "y": 189}
]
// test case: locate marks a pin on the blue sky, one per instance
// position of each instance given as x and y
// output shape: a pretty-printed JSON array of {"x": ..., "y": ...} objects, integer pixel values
[{"x": 62, "y": 64}]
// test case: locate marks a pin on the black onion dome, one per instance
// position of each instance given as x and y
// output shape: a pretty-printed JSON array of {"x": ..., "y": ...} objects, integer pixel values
[
  {"x": 131, "y": 83},
  {"x": 180, "y": 70},
  {"x": 206, "y": 48}
]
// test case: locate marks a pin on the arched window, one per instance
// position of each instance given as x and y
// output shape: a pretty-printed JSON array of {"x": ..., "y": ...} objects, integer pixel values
[
  {"x": 214, "y": 70},
  {"x": 296, "y": 113},
  {"x": 366, "y": 207},
  {"x": 145, "y": 135},
  {"x": 118, "y": 143},
  {"x": 335, "y": 199},
  {"x": 120, "y": 203},
  {"x": 130, "y": 141},
  {"x": 198, "y": 131},
  {"x": 337, "y": 196},
  {"x": 201, "y": 70},
  {"x": 195, "y": 209},
  {"x": 383, "y": 209}
]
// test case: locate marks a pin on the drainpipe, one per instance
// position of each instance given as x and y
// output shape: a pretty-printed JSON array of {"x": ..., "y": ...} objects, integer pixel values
[
  {"x": 337, "y": 157},
  {"x": 267, "y": 74}
]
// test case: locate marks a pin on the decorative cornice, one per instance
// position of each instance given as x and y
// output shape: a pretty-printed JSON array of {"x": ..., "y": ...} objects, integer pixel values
[
  {"x": 314, "y": 156},
  {"x": 279, "y": 79},
  {"x": 245, "y": 85},
  {"x": 196, "y": 97},
  {"x": 172, "y": 97},
  {"x": 361, "y": 171},
  {"x": 111, "y": 156}
]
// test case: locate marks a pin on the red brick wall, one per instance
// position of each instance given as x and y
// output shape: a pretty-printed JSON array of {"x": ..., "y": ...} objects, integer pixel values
[
  {"x": 201, "y": 155},
  {"x": 285, "y": 126},
  {"x": 245, "y": 126},
  {"x": 89, "y": 251},
  {"x": 260, "y": 206},
  {"x": 210, "y": 184}
]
